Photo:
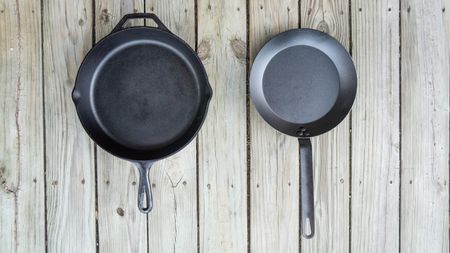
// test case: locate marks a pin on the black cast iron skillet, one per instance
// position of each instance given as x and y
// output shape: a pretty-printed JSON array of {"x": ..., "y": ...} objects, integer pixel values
[
  {"x": 303, "y": 83},
  {"x": 142, "y": 94}
]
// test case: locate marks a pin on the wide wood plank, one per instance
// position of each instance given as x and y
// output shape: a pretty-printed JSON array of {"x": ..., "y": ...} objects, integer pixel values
[
  {"x": 172, "y": 224},
  {"x": 22, "y": 216},
  {"x": 331, "y": 150},
  {"x": 274, "y": 157},
  {"x": 424, "y": 126},
  {"x": 121, "y": 227},
  {"x": 70, "y": 180},
  {"x": 222, "y": 140},
  {"x": 375, "y": 127}
]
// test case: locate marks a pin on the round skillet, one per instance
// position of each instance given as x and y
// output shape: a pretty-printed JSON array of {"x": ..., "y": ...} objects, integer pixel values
[
  {"x": 303, "y": 83},
  {"x": 142, "y": 94}
]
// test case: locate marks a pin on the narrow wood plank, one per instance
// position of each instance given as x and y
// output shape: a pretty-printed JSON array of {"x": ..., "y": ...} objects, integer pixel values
[
  {"x": 424, "y": 126},
  {"x": 172, "y": 225},
  {"x": 69, "y": 152},
  {"x": 222, "y": 140},
  {"x": 445, "y": 12},
  {"x": 331, "y": 150},
  {"x": 121, "y": 227},
  {"x": 274, "y": 157},
  {"x": 375, "y": 127},
  {"x": 22, "y": 216}
]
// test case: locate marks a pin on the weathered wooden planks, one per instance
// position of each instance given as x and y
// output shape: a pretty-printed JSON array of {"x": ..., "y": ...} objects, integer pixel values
[
  {"x": 375, "y": 144},
  {"x": 274, "y": 157},
  {"x": 375, "y": 127},
  {"x": 424, "y": 127},
  {"x": 222, "y": 140},
  {"x": 22, "y": 216},
  {"x": 172, "y": 225},
  {"x": 67, "y": 36},
  {"x": 121, "y": 227},
  {"x": 380, "y": 220},
  {"x": 331, "y": 150}
]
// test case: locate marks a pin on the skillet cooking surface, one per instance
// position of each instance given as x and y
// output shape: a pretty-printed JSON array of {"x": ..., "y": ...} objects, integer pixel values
[
  {"x": 145, "y": 95},
  {"x": 301, "y": 84},
  {"x": 141, "y": 93}
]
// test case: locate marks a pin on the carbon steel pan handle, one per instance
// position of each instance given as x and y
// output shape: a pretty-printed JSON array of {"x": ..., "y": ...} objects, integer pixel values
[
  {"x": 152, "y": 16},
  {"x": 307, "y": 188}
]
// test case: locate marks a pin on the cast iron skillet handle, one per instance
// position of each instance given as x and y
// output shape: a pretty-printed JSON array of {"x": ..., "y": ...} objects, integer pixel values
[
  {"x": 307, "y": 189},
  {"x": 144, "y": 191},
  {"x": 125, "y": 18}
]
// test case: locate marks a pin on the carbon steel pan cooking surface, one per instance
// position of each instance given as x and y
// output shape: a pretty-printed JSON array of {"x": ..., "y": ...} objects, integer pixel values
[{"x": 293, "y": 86}]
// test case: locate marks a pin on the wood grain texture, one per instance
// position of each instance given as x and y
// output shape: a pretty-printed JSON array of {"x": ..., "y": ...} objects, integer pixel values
[
  {"x": 172, "y": 225},
  {"x": 274, "y": 157},
  {"x": 375, "y": 127},
  {"x": 425, "y": 127},
  {"x": 22, "y": 216},
  {"x": 331, "y": 150},
  {"x": 222, "y": 140},
  {"x": 398, "y": 145},
  {"x": 67, "y": 37},
  {"x": 446, "y": 6},
  {"x": 121, "y": 226}
]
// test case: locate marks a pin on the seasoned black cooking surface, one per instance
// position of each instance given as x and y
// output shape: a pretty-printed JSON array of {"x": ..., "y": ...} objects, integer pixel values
[
  {"x": 301, "y": 84},
  {"x": 145, "y": 96}
]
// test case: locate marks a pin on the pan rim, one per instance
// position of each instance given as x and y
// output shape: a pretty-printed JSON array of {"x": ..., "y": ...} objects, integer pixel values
[
  {"x": 279, "y": 43},
  {"x": 151, "y": 154}
]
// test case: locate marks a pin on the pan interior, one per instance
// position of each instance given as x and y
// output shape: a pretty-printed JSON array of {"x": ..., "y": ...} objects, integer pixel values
[
  {"x": 301, "y": 84},
  {"x": 145, "y": 95}
]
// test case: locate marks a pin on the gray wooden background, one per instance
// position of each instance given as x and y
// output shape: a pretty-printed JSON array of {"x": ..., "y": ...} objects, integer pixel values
[{"x": 381, "y": 177}]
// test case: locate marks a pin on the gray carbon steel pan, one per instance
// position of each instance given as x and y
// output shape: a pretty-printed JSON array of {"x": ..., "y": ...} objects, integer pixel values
[
  {"x": 142, "y": 94},
  {"x": 303, "y": 83}
]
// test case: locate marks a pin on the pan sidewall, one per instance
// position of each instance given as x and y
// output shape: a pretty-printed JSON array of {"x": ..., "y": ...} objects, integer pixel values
[
  {"x": 335, "y": 52},
  {"x": 82, "y": 92}
]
